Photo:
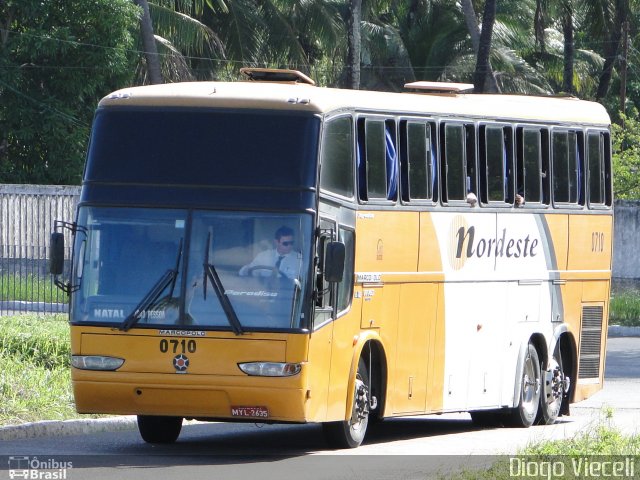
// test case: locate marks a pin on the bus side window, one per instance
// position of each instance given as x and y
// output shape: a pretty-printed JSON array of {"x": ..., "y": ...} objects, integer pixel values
[
  {"x": 458, "y": 161},
  {"x": 377, "y": 159},
  {"x": 333, "y": 298},
  {"x": 418, "y": 160},
  {"x": 322, "y": 287},
  {"x": 598, "y": 168},
  {"x": 496, "y": 157},
  {"x": 345, "y": 287},
  {"x": 531, "y": 159},
  {"x": 336, "y": 170},
  {"x": 453, "y": 162},
  {"x": 567, "y": 167}
]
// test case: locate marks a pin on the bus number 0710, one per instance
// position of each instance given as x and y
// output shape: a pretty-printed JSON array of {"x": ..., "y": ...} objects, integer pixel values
[
  {"x": 597, "y": 242},
  {"x": 177, "y": 346}
]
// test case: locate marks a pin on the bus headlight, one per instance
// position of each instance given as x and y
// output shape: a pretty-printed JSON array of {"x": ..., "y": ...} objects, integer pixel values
[
  {"x": 96, "y": 362},
  {"x": 270, "y": 369}
]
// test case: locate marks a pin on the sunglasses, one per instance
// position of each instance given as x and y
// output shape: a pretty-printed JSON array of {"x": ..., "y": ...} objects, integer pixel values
[{"x": 287, "y": 244}]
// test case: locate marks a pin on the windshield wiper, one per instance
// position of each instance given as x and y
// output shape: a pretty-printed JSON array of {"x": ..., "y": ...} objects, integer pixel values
[
  {"x": 151, "y": 298},
  {"x": 211, "y": 274}
]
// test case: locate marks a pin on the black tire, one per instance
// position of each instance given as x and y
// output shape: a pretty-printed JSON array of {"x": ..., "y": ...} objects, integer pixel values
[
  {"x": 350, "y": 433},
  {"x": 551, "y": 398},
  {"x": 155, "y": 429},
  {"x": 525, "y": 413}
]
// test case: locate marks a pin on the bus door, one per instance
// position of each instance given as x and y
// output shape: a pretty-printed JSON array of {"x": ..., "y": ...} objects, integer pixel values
[{"x": 322, "y": 329}]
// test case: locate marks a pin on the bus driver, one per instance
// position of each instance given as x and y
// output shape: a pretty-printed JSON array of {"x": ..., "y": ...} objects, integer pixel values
[{"x": 281, "y": 259}]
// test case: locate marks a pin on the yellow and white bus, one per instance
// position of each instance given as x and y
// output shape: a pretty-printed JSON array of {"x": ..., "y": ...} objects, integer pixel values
[{"x": 272, "y": 251}]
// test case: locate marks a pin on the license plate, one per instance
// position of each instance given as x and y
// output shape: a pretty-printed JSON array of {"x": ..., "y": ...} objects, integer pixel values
[{"x": 252, "y": 412}]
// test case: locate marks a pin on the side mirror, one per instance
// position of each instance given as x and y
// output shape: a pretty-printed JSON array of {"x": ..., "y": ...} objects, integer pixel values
[
  {"x": 56, "y": 252},
  {"x": 334, "y": 262}
]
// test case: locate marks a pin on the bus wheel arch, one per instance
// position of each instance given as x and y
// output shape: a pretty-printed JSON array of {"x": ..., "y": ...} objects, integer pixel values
[
  {"x": 376, "y": 361},
  {"x": 365, "y": 398},
  {"x": 557, "y": 372},
  {"x": 528, "y": 387},
  {"x": 569, "y": 355}
]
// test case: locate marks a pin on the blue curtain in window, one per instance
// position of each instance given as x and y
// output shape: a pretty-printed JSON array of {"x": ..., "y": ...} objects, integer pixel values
[
  {"x": 505, "y": 166},
  {"x": 434, "y": 174},
  {"x": 391, "y": 157}
]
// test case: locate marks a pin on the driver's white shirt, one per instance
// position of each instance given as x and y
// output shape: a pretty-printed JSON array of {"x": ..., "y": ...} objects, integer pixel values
[{"x": 289, "y": 266}]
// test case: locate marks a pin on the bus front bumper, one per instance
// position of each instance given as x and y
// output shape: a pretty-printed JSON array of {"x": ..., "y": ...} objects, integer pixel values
[{"x": 263, "y": 399}]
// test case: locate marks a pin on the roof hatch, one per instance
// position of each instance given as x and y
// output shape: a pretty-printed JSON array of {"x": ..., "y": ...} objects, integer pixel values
[
  {"x": 275, "y": 75},
  {"x": 440, "y": 87}
]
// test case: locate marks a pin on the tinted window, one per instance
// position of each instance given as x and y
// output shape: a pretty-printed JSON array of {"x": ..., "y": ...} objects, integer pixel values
[
  {"x": 454, "y": 152},
  {"x": 375, "y": 159},
  {"x": 532, "y": 166},
  {"x": 203, "y": 147},
  {"x": 336, "y": 171},
  {"x": 496, "y": 159},
  {"x": 566, "y": 167},
  {"x": 345, "y": 287},
  {"x": 420, "y": 160},
  {"x": 595, "y": 158}
]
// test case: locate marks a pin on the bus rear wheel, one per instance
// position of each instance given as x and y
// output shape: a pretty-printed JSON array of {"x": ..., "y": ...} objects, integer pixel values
[
  {"x": 524, "y": 414},
  {"x": 350, "y": 433},
  {"x": 156, "y": 429},
  {"x": 554, "y": 388}
]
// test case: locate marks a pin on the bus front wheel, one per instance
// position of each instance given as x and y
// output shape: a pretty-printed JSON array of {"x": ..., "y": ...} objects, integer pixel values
[
  {"x": 524, "y": 414},
  {"x": 155, "y": 429},
  {"x": 350, "y": 433}
]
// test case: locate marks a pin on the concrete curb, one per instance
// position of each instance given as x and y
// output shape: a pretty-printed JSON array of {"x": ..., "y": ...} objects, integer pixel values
[
  {"x": 63, "y": 428},
  {"x": 620, "y": 331},
  {"x": 11, "y": 307}
]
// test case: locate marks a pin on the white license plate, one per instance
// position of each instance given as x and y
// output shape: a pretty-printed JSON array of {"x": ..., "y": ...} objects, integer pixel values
[{"x": 252, "y": 412}]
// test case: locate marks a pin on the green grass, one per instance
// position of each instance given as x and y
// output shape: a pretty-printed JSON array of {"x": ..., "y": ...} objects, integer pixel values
[
  {"x": 601, "y": 443},
  {"x": 35, "y": 382},
  {"x": 29, "y": 288},
  {"x": 624, "y": 309}
]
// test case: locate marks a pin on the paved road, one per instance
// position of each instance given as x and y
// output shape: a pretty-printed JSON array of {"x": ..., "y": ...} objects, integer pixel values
[{"x": 401, "y": 448}]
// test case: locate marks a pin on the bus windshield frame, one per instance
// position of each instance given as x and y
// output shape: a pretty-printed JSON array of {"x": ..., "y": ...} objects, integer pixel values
[{"x": 154, "y": 268}]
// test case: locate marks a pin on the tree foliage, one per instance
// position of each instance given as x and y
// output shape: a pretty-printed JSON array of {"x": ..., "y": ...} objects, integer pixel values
[
  {"x": 58, "y": 58},
  {"x": 626, "y": 157}
]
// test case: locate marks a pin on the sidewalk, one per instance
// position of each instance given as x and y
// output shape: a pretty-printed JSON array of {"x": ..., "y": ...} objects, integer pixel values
[
  {"x": 63, "y": 428},
  {"x": 59, "y": 428}
]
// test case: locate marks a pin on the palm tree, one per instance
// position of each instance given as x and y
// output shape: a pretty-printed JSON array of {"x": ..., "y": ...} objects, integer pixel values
[
  {"x": 149, "y": 43},
  {"x": 187, "y": 45},
  {"x": 548, "y": 38},
  {"x": 566, "y": 7},
  {"x": 354, "y": 43},
  {"x": 405, "y": 41},
  {"x": 173, "y": 38},
  {"x": 615, "y": 27},
  {"x": 483, "y": 78}
]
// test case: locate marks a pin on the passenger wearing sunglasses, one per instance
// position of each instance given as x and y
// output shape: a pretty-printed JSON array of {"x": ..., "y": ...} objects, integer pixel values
[{"x": 281, "y": 260}]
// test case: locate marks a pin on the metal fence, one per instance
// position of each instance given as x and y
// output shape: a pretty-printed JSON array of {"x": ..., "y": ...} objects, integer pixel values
[{"x": 27, "y": 215}]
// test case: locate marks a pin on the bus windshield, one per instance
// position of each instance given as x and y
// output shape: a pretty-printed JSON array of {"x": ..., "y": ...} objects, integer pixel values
[{"x": 138, "y": 267}]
